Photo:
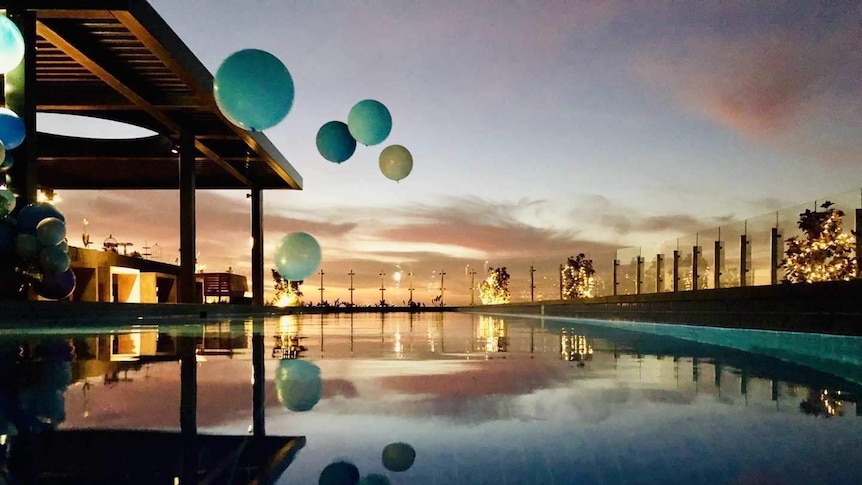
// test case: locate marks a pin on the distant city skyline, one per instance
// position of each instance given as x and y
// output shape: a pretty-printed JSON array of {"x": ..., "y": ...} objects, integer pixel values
[{"x": 537, "y": 130}]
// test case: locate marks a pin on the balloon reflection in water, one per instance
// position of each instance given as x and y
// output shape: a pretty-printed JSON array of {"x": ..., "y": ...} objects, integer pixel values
[
  {"x": 398, "y": 457},
  {"x": 374, "y": 479},
  {"x": 298, "y": 384},
  {"x": 339, "y": 473}
]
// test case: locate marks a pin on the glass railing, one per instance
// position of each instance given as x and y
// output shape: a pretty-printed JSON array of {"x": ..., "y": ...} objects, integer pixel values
[{"x": 740, "y": 253}]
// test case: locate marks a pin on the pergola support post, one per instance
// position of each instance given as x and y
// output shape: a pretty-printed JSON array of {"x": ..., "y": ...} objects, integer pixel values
[
  {"x": 257, "y": 246},
  {"x": 187, "y": 287}
]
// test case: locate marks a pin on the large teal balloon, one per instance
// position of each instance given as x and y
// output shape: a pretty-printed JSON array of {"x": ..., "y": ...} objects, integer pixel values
[
  {"x": 11, "y": 129},
  {"x": 396, "y": 162},
  {"x": 298, "y": 385},
  {"x": 334, "y": 142},
  {"x": 50, "y": 231},
  {"x": 369, "y": 122},
  {"x": 297, "y": 256},
  {"x": 253, "y": 89},
  {"x": 11, "y": 45}
]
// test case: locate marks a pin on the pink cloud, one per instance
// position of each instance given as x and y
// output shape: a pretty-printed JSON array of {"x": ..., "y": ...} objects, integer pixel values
[{"x": 789, "y": 87}]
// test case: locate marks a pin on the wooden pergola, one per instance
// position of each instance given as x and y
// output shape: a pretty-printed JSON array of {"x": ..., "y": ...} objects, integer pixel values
[{"x": 119, "y": 60}]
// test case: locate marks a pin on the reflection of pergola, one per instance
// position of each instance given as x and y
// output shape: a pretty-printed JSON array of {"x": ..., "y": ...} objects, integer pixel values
[{"x": 119, "y": 60}]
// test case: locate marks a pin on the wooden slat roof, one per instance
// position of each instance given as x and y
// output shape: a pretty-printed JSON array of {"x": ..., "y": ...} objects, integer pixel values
[{"x": 119, "y": 60}]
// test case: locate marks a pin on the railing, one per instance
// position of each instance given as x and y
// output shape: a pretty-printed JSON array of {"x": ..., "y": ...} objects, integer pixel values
[{"x": 740, "y": 253}]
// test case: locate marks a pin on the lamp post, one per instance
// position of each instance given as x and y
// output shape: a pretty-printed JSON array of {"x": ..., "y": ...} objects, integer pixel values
[
  {"x": 351, "y": 274},
  {"x": 321, "y": 286},
  {"x": 382, "y": 287},
  {"x": 532, "y": 283},
  {"x": 410, "y": 274},
  {"x": 472, "y": 287},
  {"x": 442, "y": 288}
]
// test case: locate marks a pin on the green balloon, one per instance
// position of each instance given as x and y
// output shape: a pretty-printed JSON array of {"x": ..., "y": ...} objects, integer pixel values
[{"x": 396, "y": 162}]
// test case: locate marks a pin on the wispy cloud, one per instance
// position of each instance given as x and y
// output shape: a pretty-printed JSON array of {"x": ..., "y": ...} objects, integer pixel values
[{"x": 794, "y": 85}]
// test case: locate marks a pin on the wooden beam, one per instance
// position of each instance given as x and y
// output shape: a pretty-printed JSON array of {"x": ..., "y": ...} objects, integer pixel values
[
  {"x": 186, "y": 66},
  {"x": 96, "y": 68},
  {"x": 222, "y": 163}
]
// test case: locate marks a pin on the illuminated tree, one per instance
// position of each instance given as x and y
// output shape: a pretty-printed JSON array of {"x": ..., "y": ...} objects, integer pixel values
[
  {"x": 578, "y": 278},
  {"x": 495, "y": 288},
  {"x": 287, "y": 293},
  {"x": 825, "y": 253}
]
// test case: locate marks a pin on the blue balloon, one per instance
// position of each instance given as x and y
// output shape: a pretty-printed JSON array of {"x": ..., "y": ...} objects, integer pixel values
[
  {"x": 54, "y": 259},
  {"x": 56, "y": 286},
  {"x": 339, "y": 473},
  {"x": 27, "y": 246},
  {"x": 253, "y": 89},
  {"x": 369, "y": 122},
  {"x": 334, "y": 142},
  {"x": 7, "y": 162},
  {"x": 11, "y": 129},
  {"x": 32, "y": 214},
  {"x": 297, "y": 256},
  {"x": 298, "y": 385},
  {"x": 11, "y": 45},
  {"x": 50, "y": 231},
  {"x": 398, "y": 457}
]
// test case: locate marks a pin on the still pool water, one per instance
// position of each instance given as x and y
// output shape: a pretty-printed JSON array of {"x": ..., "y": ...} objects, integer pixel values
[{"x": 489, "y": 399}]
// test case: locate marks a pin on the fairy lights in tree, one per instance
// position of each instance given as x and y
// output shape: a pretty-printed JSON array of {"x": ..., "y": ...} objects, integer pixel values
[
  {"x": 578, "y": 278},
  {"x": 495, "y": 289},
  {"x": 287, "y": 293},
  {"x": 825, "y": 253}
]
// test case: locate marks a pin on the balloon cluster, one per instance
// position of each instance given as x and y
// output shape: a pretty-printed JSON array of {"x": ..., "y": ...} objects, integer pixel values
[
  {"x": 397, "y": 457},
  {"x": 11, "y": 45},
  {"x": 369, "y": 122},
  {"x": 37, "y": 237}
]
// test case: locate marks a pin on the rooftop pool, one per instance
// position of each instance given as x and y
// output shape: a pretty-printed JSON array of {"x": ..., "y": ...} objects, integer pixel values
[{"x": 482, "y": 399}]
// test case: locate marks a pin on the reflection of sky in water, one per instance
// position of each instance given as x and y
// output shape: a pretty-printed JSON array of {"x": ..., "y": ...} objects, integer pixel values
[{"x": 680, "y": 412}]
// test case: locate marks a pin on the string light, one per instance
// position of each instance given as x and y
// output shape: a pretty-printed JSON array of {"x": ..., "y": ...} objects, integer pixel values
[
  {"x": 578, "y": 278},
  {"x": 825, "y": 253},
  {"x": 495, "y": 289}
]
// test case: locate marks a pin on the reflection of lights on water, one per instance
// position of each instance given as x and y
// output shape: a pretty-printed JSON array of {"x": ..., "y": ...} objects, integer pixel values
[
  {"x": 399, "y": 347},
  {"x": 288, "y": 324},
  {"x": 493, "y": 333},
  {"x": 575, "y": 347}
]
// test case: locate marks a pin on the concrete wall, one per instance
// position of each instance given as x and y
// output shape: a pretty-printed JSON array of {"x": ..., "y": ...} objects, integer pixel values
[{"x": 830, "y": 307}]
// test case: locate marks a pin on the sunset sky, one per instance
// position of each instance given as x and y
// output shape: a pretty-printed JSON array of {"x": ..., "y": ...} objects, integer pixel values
[{"x": 538, "y": 129}]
